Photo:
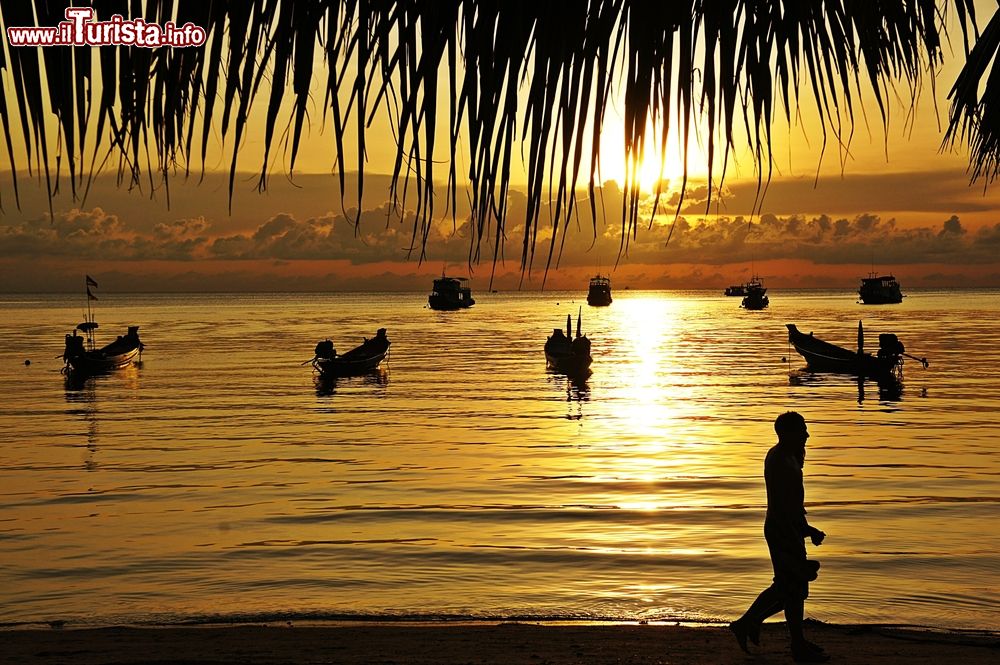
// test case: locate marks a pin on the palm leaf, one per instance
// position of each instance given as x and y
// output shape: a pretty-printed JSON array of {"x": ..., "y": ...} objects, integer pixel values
[{"x": 525, "y": 79}]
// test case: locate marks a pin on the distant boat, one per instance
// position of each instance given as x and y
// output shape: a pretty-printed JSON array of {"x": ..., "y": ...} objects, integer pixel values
[
  {"x": 736, "y": 290},
  {"x": 880, "y": 290},
  {"x": 755, "y": 296},
  {"x": 599, "y": 293},
  {"x": 566, "y": 354},
  {"x": 450, "y": 293},
  {"x": 81, "y": 354},
  {"x": 822, "y": 356},
  {"x": 359, "y": 360}
]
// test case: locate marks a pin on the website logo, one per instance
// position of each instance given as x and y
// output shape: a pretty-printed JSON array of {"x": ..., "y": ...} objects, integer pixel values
[{"x": 80, "y": 29}]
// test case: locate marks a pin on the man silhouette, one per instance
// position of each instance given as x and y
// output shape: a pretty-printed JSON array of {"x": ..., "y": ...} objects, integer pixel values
[{"x": 785, "y": 529}]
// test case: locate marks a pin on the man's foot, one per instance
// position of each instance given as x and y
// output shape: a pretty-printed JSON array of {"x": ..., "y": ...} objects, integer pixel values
[
  {"x": 753, "y": 633},
  {"x": 807, "y": 652},
  {"x": 741, "y": 633}
]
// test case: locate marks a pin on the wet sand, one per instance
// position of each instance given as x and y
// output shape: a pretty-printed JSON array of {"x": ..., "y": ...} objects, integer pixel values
[{"x": 479, "y": 643}]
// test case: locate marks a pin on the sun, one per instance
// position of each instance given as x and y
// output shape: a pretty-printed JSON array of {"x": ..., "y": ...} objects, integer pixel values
[{"x": 650, "y": 166}]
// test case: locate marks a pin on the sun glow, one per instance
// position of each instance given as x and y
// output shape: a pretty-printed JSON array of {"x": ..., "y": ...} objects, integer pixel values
[{"x": 650, "y": 166}]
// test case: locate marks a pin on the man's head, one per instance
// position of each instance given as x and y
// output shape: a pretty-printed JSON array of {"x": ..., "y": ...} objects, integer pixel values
[{"x": 791, "y": 429}]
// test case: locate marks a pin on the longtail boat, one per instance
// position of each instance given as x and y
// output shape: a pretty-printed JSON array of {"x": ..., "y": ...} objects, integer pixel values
[
  {"x": 81, "y": 354},
  {"x": 362, "y": 359},
  {"x": 566, "y": 354},
  {"x": 887, "y": 363}
]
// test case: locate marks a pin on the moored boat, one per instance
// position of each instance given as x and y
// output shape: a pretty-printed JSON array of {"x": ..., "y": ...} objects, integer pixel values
[
  {"x": 566, "y": 354},
  {"x": 362, "y": 359},
  {"x": 822, "y": 356},
  {"x": 755, "y": 295},
  {"x": 81, "y": 354},
  {"x": 119, "y": 353},
  {"x": 599, "y": 292},
  {"x": 450, "y": 293},
  {"x": 880, "y": 290}
]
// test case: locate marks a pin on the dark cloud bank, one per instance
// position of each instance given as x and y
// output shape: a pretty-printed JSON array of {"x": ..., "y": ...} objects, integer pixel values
[
  {"x": 384, "y": 236},
  {"x": 120, "y": 233}
]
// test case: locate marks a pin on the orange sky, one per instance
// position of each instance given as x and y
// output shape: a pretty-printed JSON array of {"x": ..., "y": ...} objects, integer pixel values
[{"x": 894, "y": 200}]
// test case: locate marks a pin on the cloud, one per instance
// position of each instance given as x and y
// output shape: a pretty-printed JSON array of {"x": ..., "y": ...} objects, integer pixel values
[
  {"x": 952, "y": 226},
  {"x": 819, "y": 239},
  {"x": 381, "y": 234},
  {"x": 96, "y": 234},
  {"x": 387, "y": 234}
]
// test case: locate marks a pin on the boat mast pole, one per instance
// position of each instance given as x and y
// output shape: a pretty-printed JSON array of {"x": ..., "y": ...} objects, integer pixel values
[{"x": 90, "y": 315}]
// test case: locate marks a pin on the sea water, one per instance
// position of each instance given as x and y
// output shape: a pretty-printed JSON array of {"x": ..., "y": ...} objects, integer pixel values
[{"x": 221, "y": 480}]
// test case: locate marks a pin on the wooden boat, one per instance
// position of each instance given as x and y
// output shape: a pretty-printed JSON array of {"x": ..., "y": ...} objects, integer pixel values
[
  {"x": 450, "y": 293},
  {"x": 755, "y": 297},
  {"x": 568, "y": 355},
  {"x": 880, "y": 290},
  {"x": 599, "y": 293},
  {"x": 822, "y": 356},
  {"x": 81, "y": 355},
  {"x": 362, "y": 359},
  {"x": 119, "y": 353}
]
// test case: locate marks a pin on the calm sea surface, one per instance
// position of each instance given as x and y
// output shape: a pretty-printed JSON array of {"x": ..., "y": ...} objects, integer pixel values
[{"x": 219, "y": 480}]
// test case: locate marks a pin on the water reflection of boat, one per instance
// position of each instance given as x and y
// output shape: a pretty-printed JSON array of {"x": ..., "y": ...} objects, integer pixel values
[
  {"x": 888, "y": 390},
  {"x": 82, "y": 401},
  {"x": 566, "y": 354},
  {"x": 362, "y": 359},
  {"x": 822, "y": 356},
  {"x": 599, "y": 293},
  {"x": 880, "y": 290},
  {"x": 450, "y": 293},
  {"x": 326, "y": 385},
  {"x": 755, "y": 295},
  {"x": 83, "y": 357}
]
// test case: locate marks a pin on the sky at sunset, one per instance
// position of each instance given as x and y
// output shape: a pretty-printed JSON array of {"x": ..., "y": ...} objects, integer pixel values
[{"x": 891, "y": 199}]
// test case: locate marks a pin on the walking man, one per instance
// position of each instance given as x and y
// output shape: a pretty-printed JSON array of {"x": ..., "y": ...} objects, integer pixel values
[{"x": 785, "y": 530}]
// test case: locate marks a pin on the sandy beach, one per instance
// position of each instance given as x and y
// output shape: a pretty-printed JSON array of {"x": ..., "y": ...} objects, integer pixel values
[{"x": 478, "y": 643}]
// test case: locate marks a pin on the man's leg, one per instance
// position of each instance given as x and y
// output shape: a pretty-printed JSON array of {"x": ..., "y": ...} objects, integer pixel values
[
  {"x": 803, "y": 651},
  {"x": 769, "y": 602}
]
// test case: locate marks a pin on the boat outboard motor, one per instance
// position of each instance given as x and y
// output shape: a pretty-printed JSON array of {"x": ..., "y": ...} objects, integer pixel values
[
  {"x": 325, "y": 350},
  {"x": 889, "y": 346},
  {"x": 74, "y": 347}
]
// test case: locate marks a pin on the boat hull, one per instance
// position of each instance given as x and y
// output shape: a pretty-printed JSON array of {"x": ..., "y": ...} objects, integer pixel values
[
  {"x": 446, "y": 304},
  {"x": 341, "y": 367},
  {"x": 572, "y": 365},
  {"x": 98, "y": 362},
  {"x": 880, "y": 298},
  {"x": 752, "y": 302}
]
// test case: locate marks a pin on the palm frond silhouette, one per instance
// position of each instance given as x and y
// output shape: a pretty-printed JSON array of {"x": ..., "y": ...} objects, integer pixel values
[{"x": 529, "y": 80}]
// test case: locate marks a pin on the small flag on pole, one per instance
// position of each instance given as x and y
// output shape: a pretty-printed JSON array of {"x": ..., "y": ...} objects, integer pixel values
[
  {"x": 90, "y": 296},
  {"x": 91, "y": 282}
]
